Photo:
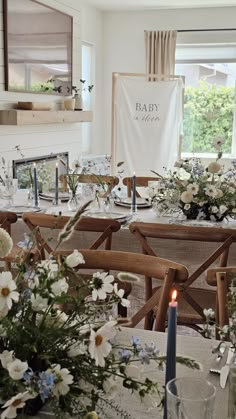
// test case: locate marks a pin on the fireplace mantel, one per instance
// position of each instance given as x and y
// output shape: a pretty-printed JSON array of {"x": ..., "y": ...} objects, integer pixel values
[{"x": 20, "y": 117}]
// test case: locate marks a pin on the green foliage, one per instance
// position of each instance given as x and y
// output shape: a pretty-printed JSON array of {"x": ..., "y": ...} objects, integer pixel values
[{"x": 208, "y": 113}]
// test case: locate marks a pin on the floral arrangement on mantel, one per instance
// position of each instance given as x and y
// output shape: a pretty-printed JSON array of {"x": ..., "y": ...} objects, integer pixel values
[
  {"x": 202, "y": 193},
  {"x": 70, "y": 360}
]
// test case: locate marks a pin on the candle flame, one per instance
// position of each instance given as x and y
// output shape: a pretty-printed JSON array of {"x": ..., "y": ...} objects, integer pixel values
[
  {"x": 34, "y": 164},
  {"x": 174, "y": 295},
  {"x": 56, "y": 164}
]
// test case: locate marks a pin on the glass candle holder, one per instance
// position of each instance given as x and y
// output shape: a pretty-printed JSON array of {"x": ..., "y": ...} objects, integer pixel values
[{"x": 190, "y": 398}]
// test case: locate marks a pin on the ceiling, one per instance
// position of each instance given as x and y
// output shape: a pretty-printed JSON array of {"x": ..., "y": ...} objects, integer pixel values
[{"x": 158, "y": 4}]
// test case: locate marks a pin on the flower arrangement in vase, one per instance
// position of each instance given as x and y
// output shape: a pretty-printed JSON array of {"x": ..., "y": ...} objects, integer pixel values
[
  {"x": 70, "y": 359},
  {"x": 202, "y": 193}
]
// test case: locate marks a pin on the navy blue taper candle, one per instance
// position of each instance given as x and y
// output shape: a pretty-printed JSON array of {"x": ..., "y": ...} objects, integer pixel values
[
  {"x": 36, "y": 198},
  {"x": 171, "y": 344},
  {"x": 133, "y": 204},
  {"x": 56, "y": 185}
]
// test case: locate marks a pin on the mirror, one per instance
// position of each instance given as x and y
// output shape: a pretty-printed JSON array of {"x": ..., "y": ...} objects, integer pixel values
[{"x": 38, "y": 48}]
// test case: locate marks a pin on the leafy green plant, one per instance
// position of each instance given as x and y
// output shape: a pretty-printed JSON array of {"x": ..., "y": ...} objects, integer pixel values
[{"x": 208, "y": 112}]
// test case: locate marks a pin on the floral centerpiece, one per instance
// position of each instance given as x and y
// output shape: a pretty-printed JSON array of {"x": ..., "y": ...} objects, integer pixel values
[
  {"x": 203, "y": 193},
  {"x": 71, "y": 359}
]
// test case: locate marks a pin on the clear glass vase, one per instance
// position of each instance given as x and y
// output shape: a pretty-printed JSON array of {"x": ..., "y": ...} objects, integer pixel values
[
  {"x": 232, "y": 389},
  {"x": 74, "y": 202}
]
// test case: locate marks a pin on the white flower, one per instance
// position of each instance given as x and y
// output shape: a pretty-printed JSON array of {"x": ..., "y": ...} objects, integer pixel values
[
  {"x": 17, "y": 369},
  {"x": 38, "y": 303},
  {"x": 16, "y": 402},
  {"x": 209, "y": 313},
  {"x": 186, "y": 197},
  {"x": 124, "y": 302},
  {"x": 193, "y": 188},
  {"x": 187, "y": 206},
  {"x": 214, "y": 167},
  {"x": 211, "y": 191},
  {"x": 214, "y": 209},
  {"x": 219, "y": 193},
  {"x": 3, "y": 312},
  {"x": 6, "y": 243},
  {"x": 74, "y": 259},
  {"x": 78, "y": 348},
  {"x": 7, "y": 291},
  {"x": 101, "y": 284},
  {"x": 99, "y": 346},
  {"x": 6, "y": 358},
  {"x": 59, "y": 287},
  {"x": 223, "y": 209},
  {"x": 49, "y": 265},
  {"x": 63, "y": 378},
  {"x": 183, "y": 175}
]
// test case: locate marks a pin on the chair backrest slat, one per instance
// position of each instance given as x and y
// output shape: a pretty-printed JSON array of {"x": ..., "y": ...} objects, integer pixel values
[{"x": 140, "y": 181}]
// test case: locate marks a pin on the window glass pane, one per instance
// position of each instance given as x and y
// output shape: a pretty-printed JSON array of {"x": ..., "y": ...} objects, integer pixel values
[{"x": 208, "y": 105}]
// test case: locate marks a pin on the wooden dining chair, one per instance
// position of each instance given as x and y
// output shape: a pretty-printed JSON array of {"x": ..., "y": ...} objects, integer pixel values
[
  {"x": 191, "y": 300},
  {"x": 169, "y": 272},
  {"x": 140, "y": 181},
  {"x": 221, "y": 278},
  {"x": 109, "y": 181},
  {"x": 6, "y": 220},
  {"x": 36, "y": 222}
]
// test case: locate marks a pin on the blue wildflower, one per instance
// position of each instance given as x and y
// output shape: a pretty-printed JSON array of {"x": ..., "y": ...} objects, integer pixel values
[
  {"x": 28, "y": 375},
  {"x": 124, "y": 355},
  {"x": 144, "y": 357},
  {"x": 26, "y": 243},
  {"x": 45, "y": 384},
  {"x": 27, "y": 293},
  {"x": 135, "y": 341},
  {"x": 151, "y": 349}
]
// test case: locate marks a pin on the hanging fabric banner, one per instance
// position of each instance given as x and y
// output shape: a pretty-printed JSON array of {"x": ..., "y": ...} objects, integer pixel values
[{"x": 148, "y": 121}]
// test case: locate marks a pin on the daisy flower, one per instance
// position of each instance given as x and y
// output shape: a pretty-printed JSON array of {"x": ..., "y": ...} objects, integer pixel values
[
  {"x": 120, "y": 292},
  {"x": 101, "y": 284},
  {"x": 63, "y": 378},
  {"x": 16, "y": 402},
  {"x": 99, "y": 346},
  {"x": 193, "y": 188},
  {"x": 7, "y": 291},
  {"x": 212, "y": 191}
]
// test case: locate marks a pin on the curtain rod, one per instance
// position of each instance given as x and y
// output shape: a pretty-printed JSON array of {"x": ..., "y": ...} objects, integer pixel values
[{"x": 206, "y": 30}]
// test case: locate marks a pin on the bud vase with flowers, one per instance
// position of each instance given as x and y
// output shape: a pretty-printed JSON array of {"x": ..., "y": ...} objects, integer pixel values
[{"x": 201, "y": 193}]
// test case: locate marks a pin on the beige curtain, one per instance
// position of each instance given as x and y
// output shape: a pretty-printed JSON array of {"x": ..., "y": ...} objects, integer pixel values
[{"x": 160, "y": 52}]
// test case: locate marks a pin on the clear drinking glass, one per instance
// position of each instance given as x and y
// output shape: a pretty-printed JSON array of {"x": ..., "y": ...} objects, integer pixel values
[{"x": 190, "y": 398}]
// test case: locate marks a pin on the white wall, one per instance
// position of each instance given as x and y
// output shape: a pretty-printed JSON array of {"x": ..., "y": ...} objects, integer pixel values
[
  {"x": 44, "y": 139},
  {"x": 124, "y": 41}
]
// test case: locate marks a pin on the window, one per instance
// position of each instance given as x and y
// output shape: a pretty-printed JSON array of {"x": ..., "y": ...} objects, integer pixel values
[{"x": 209, "y": 102}]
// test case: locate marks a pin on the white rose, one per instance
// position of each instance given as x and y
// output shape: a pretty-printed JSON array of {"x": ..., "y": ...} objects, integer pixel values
[
  {"x": 219, "y": 193},
  {"x": 38, "y": 303},
  {"x": 74, "y": 259},
  {"x": 223, "y": 209},
  {"x": 59, "y": 287},
  {"x": 6, "y": 358},
  {"x": 6, "y": 243},
  {"x": 214, "y": 167},
  {"x": 17, "y": 369},
  {"x": 186, "y": 197}
]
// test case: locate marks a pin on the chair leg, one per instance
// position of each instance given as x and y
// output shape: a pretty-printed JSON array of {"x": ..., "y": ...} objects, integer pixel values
[
  {"x": 222, "y": 289},
  {"x": 164, "y": 300}
]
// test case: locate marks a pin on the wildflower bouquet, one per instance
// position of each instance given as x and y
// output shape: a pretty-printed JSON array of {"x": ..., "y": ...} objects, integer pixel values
[
  {"x": 70, "y": 360},
  {"x": 203, "y": 193}
]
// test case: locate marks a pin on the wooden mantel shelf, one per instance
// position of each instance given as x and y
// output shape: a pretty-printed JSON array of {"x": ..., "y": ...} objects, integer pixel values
[{"x": 20, "y": 117}]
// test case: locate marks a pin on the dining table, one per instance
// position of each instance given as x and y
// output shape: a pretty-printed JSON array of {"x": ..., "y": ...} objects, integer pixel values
[
  {"x": 189, "y": 253},
  {"x": 199, "y": 349}
]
